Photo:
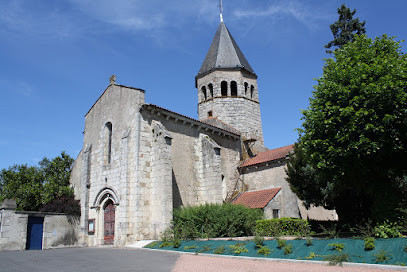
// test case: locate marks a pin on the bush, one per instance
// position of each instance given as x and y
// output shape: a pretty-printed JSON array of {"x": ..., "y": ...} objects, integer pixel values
[
  {"x": 382, "y": 256},
  {"x": 219, "y": 250},
  {"x": 67, "y": 205},
  {"x": 288, "y": 249},
  {"x": 258, "y": 241},
  {"x": 238, "y": 248},
  {"x": 335, "y": 259},
  {"x": 336, "y": 246},
  {"x": 263, "y": 250},
  {"x": 405, "y": 248},
  {"x": 369, "y": 243},
  {"x": 282, "y": 226},
  {"x": 311, "y": 256},
  {"x": 309, "y": 242},
  {"x": 281, "y": 243},
  {"x": 387, "y": 230},
  {"x": 215, "y": 220}
]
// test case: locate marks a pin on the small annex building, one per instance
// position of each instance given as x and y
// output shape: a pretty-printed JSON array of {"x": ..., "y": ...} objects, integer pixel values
[{"x": 140, "y": 161}]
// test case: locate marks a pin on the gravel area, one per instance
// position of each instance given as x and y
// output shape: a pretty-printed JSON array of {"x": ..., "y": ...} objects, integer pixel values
[{"x": 198, "y": 263}]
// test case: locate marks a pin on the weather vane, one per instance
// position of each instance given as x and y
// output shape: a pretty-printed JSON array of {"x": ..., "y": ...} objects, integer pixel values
[{"x": 221, "y": 10}]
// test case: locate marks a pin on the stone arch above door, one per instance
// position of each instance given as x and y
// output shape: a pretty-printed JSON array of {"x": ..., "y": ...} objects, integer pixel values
[{"x": 104, "y": 195}]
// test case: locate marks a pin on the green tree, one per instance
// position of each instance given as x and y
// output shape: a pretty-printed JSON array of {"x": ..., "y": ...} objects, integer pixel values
[
  {"x": 33, "y": 186},
  {"x": 345, "y": 29},
  {"x": 353, "y": 141}
]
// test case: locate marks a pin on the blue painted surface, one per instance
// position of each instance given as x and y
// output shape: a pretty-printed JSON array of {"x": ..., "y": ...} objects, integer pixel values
[{"x": 34, "y": 232}]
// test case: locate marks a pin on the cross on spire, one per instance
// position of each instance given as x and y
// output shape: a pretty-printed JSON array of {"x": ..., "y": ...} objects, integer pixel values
[{"x": 221, "y": 10}]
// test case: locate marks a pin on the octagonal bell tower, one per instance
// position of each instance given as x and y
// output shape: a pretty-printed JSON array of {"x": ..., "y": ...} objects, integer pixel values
[{"x": 227, "y": 89}]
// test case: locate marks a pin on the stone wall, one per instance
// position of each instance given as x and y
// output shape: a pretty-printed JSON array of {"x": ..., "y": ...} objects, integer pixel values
[
  {"x": 273, "y": 176},
  {"x": 58, "y": 230}
]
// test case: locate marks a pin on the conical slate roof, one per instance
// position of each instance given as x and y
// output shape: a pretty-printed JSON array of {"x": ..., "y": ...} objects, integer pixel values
[{"x": 224, "y": 53}]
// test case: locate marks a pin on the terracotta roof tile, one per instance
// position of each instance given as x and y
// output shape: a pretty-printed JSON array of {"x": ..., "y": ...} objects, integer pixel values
[
  {"x": 256, "y": 199},
  {"x": 268, "y": 156}
]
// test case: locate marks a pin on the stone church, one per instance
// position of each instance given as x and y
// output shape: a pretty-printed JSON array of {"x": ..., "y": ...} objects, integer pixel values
[{"x": 139, "y": 161}]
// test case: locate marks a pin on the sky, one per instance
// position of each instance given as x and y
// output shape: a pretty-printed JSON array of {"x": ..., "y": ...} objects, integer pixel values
[{"x": 57, "y": 56}]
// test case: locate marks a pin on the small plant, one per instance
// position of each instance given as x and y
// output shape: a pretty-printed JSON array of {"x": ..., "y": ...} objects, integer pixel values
[
  {"x": 238, "y": 248},
  {"x": 190, "y": 247},
  {"x": 165, "y": 244},
  {"x": 337, "y": 259},
  {"x": 405, "y": 248},
  {"x": 263, "y": 250},
  {"x": 309, "y": 242},
  {"x": 259, "y": 241},
  {"x": 331, "y": 232},
  {"x": 288, "y": 249},
  {"x": 336, "y": 246},
  {"x": 281, "y": 243},
  {"x": 176, "y": 242},
  {"x": 166, "y": 238},
  {"x": 219, "y": 250},
  {"x": 387, "y": 230},
  {"x": 153, "y": 244},
  {"x": 205, "y": 248},
  {"x": 369, "y": 243},
  {"x": 311, "y": 256},
  {"x": 382, "y": 256}
]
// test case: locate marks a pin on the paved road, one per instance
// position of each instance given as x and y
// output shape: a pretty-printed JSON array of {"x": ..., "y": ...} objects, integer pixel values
[
  {"x": 135, "y": 260},
  {"x": 87, "y": 259}
]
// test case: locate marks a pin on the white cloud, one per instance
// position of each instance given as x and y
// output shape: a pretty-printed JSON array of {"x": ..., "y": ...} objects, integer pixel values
[{"x": 286, "y": 10}]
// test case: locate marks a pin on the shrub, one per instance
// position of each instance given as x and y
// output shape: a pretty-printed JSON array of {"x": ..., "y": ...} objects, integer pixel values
[
  {"x": 309, "y": 242},
  {"x": 190, "y": 247},
  {"x": 282, "y": 226},
  {"x": 219, "y": 250},
  {"x": 263, "y": 250},
  {"x": 238, "y": 248},
  {"x": 176, "y": 242},
  {"x": 382, "y": 256},
  {"x": 153, "y": 244},
  {"x": 288, "y": 249},
  {"x": 311, "y": 256},
  {"x": 259, "y": 241},
  {"x": 387, "y": 230},
  {"x": 166, "y": 238},
  {"x": 369, "y": 243},
  {"x": 337, "y": 259},
  {"x": 205, "y": 248},
  {"x": 336, "y": 246},
  {"x": 281, "y": 243},
  {"x": 215, "y": 220},
  {"x": 405, "y": 248}
]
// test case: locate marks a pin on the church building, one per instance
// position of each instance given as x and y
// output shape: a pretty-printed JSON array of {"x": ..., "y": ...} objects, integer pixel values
[{"x": 140, "y": 161}]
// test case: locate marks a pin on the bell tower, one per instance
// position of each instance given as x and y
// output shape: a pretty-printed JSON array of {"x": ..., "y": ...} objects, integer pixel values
[{"x": 227, "y": 89}]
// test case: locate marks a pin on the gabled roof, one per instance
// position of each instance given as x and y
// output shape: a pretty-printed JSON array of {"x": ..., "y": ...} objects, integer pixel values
[
  {"x": 269, "y": 156},
  {"x": 224, "y": 53},
  {"x": 256, "y": 199}
]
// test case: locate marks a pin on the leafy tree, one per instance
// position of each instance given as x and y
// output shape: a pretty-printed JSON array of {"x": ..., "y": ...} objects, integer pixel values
[
  {"x": 345, "y": 28},
  {"x": 33, "y": 186},
  {"x": 352, "y": 147}
]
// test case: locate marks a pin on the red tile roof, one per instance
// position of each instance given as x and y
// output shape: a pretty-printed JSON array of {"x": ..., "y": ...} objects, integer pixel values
[
  {"x": 256, "y": 199},
  {"x": 268, "y": 156}
]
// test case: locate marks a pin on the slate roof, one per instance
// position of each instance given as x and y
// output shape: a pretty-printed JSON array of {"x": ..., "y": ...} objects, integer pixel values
[
  {"x": 256, "y": 199},
  {"x": 269, "y": 156},
  {"x": 224, "y": 53}
]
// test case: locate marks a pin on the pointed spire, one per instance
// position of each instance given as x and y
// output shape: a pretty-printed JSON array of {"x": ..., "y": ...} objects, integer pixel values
[{"x": 224, "y": 53}]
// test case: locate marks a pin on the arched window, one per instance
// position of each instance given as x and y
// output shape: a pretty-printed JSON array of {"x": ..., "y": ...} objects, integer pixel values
[
  {"x": 246, "y": 87},
  {"x": 210, "y": 86},
  {"x": 233, "y": 88},
  {"x": 108, "y": 142},
  {"x": 224, "y": 88},
  {"x": 251, "y": 91},
  {"x": 204, "y": 92}
]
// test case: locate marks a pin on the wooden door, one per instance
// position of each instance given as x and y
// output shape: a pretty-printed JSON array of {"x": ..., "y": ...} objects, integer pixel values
[{"x": 109, "y": 223}]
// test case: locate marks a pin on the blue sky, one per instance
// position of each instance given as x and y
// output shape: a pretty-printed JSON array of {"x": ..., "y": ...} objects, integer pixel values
[{"x": 57, "y": 57}]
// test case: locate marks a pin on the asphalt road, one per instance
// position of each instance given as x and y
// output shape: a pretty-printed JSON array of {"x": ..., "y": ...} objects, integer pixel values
[{"x": 87, "y": 259}]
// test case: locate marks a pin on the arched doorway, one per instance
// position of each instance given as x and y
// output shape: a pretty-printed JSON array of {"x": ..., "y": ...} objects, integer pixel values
[{"x": 109, "y": 218}]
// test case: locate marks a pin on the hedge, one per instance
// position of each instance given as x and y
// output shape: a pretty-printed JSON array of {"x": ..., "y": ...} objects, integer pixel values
[
  {"x": 214, "y": 220},
  {"x": 282, "y": 226}
]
